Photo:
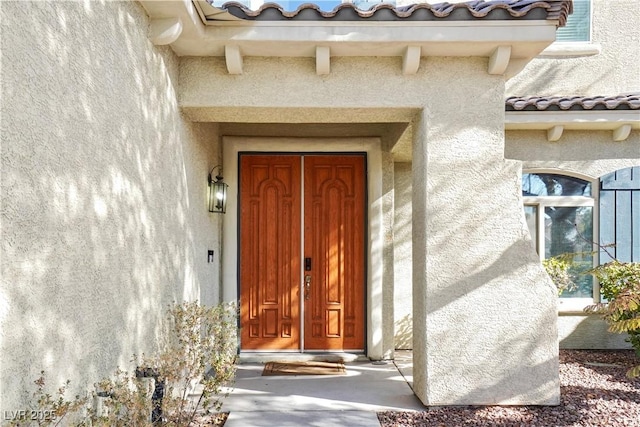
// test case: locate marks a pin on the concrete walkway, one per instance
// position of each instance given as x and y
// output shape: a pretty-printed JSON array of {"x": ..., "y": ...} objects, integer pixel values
[{"x": 321, "y": 400}]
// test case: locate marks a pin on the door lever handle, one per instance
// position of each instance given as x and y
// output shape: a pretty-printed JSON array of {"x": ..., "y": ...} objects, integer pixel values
[{"x": 307, "y": 286}]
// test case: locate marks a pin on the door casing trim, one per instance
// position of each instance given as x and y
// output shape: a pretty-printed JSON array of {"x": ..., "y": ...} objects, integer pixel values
[{"x": 232, "y": 146}]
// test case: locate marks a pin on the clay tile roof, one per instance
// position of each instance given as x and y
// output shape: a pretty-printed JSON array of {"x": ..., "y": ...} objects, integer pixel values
[
  {"x": 630, "y": 101},
  {"x": 478, "y": 9}
]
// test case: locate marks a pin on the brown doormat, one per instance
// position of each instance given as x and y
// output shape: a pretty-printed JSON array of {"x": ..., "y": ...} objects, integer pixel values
[{"x": 304, "y": 368}]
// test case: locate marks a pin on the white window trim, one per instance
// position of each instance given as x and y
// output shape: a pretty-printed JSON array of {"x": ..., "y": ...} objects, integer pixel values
[
  {"x": 575, "y": 48},
  {"x": 575, "y": 306},
  {"x": 568, "y": 305},
  {"x": 571, "y": 49},
  {"x": 562, "y": 201}
]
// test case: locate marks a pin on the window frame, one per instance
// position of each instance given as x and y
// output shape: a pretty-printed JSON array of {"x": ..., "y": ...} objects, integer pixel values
[
  {"x": 574, "y": 48},
  {"x": 566, "y": 304},
  {"x": 590, "y": 30}
]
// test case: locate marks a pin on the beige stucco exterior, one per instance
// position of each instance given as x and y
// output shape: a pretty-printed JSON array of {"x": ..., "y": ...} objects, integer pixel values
[
  {"x": 108, "y": 136},
  {"x": 587, "y": 153},
  {"x": 104, "y": 218},
  {"x": 578, "y": 153},
  {"x": 614, "y": 70},
  {"x": 591, "y": 154},
  {"x": 467, "y": 258}
]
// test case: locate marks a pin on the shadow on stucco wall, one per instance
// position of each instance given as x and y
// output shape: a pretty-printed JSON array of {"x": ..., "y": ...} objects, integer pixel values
[
  {"x": 505, "y": 390},
  {"x": 548, "y": 76},
  {"x": 403, "y": 285},
  {"x": 103, "y": 215},
  {"x": 490, "y": 310},
  {"x": 581, "y": 331},
  {"x": 498, "y": 343},
  {"x": 403, "y": 333},
  {"x": 606, "y": 73}
]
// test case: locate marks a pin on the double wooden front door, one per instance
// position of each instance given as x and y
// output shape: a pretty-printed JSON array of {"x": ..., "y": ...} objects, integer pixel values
[{"x": 302, "y": 269}]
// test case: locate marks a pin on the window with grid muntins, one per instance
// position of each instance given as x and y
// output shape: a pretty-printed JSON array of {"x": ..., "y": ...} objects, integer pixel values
[{"x": 578, "y": 27}]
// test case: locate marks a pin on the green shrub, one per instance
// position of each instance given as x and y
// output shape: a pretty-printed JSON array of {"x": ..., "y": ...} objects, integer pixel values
[
  {"x": 558, "y": 268},
  {"x": 620, "y": 286}
]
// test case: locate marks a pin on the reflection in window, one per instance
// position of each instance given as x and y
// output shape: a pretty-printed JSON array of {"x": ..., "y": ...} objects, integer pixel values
[
  {"x": 531, "y": 215},
  {"x": 546, "y": 184},
  {"x": 559, "y": 213},
  {"x": 570, "y": 230}
]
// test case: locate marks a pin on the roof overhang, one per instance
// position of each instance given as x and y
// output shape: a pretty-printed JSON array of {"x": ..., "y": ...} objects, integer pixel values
[
  {"x": 620, "y": 122},
  {"x": 195, "y": 28}
]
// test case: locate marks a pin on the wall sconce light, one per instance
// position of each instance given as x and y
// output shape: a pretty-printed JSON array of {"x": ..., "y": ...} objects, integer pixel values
[{"x": 217, "y": 192}]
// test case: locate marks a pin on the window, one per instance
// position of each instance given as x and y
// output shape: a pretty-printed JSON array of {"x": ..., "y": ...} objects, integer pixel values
[
  {"x": 578, "y": 27},
  {"x": 559, "y": 210}
]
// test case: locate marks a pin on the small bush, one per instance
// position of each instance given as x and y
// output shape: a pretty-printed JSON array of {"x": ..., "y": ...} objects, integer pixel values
[
  {"x": 620, "y": 286},
  {"x": 196, "y": 361},
  {"x": 559, "y": 270},
  {"x": 121, "y": 400},
  {"x": 46, "y": 409}
]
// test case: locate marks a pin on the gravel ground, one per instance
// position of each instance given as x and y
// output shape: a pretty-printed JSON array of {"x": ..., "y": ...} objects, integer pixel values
[{"x": 594, "y": 392}]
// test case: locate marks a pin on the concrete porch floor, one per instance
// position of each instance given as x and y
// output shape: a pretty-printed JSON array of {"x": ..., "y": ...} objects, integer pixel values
[{"x": 320, "y": 400}]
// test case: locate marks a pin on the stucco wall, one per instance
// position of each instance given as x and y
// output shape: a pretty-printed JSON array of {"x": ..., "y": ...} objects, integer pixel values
[
  {"x": 581, "y": 331},
  {"x": 470, "y": 266},
  {"x": 104, "y": 218},
  {"x": 591, "y": 154},
  {"x": 288, "y": 90},
  {"x": 402, "y": 256},
  {"x": 613, "y": 71},
  {"x": 581, "y": 152},
  {"x": 482, "y": 304}
]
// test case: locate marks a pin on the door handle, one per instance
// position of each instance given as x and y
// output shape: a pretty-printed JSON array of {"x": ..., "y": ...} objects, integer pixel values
[{"x": 307, "y": 286}]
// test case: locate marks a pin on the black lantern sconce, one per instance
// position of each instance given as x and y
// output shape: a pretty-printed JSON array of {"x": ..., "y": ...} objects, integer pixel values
[{"x": 217, "y": 192}]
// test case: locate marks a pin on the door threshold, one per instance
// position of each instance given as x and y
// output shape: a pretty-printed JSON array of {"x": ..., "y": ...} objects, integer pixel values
[{"x": 324, "y": 356}]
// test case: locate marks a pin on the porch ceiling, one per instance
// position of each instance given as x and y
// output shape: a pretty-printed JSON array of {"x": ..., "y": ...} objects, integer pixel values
[{"x": 396, "y": 137}]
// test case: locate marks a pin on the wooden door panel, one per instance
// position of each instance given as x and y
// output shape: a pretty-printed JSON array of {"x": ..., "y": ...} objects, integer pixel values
[
  {"x": 270, "y": 217},
  {"x": 334, "y": 240}
]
